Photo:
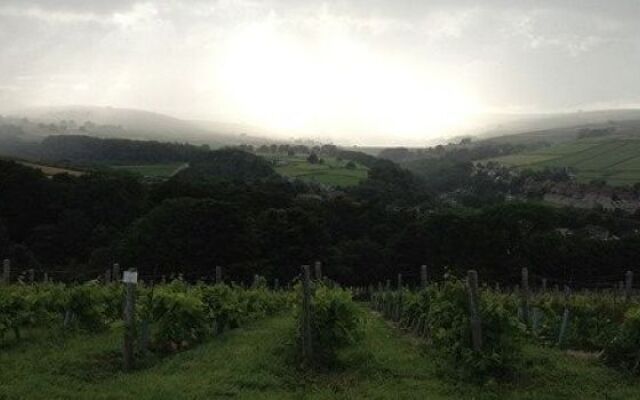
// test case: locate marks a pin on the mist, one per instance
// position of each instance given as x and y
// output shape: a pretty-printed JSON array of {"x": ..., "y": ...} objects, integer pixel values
[{"x": 366, "y": 72}]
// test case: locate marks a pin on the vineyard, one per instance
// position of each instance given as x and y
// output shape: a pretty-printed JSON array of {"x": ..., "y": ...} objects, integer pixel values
[{"x": 451, "y": 338}]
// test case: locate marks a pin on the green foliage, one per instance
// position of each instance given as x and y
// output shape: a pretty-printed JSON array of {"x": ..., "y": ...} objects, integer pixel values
[
  {"x": 179, "y": 318},
  {"x": 441, "y": 314},
  {"x": 87, "y": 307},
  {"x": 451, "y": 334},
  {"x": 336, "y": 322},
  {"x": 171, "y": 317},
  {"x": 623, "y": 350},
  {"x": 189, "y": 232},
  {"x": 183, "y": 315},
  {"x": 14, "y": 312},
  {"x": 228, "y": 164},
  {"x": 593, "y": 319}
]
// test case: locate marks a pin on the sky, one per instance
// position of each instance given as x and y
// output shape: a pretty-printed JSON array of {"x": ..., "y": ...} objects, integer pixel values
[{"x": 352, "y": 69}]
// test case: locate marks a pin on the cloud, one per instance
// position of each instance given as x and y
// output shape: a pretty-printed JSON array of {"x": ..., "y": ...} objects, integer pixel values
[{"x": 95, "y": 7}]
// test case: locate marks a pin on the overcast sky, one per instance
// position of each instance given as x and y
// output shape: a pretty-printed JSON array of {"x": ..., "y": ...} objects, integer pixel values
[{"x": 347, "y": 68}]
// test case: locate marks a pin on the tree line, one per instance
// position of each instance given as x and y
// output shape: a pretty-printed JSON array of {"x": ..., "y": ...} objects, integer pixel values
[{"x": 230, "y": 208}]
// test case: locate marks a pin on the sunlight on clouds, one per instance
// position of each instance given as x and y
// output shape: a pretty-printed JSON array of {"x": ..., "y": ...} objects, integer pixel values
[
  {"x": 378, "y": 71},
  {"x": 336, "y": 83}
]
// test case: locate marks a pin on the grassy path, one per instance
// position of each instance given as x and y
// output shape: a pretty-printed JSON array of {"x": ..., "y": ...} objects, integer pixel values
[{"x": 256, "y": 363}]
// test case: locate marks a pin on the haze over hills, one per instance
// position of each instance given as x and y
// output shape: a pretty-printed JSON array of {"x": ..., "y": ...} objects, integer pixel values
[
  {"x": 498, "y": 125},
  {"x": 142, "y": 124},
  {"x": 138, "y": 124}
]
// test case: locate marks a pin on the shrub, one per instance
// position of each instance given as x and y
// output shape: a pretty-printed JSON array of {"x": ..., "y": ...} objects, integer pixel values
[
  {"x": 336, "y": 321},
  {"x": 623, "y": 351},
  {"x": 180, "y": 320}
]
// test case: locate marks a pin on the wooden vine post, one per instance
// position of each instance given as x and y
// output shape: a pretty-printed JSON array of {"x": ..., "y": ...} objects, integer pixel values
[
  {"x": 130, "y": 279},
  {"x": 115, "y": 275},
  {"x": 544, "y": 285},
  {"x": 524, "y": 293},
  {"x": 423, "y": 277},
  {"x": 474, "y": 313},
  {"x": 565, "y": 316},
  {"x": 218, "y": 274},
  {"x": 318, "y": 270},
  {"x": 398, "y": 308},
  {"x": 307, "y": 347},
  {"x": 628, "y": 285},
  {"x": 6, "y": 271}
]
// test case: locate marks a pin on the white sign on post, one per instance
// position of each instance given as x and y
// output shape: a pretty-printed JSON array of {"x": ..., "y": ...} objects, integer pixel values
[{"x": 130, "y": 277}]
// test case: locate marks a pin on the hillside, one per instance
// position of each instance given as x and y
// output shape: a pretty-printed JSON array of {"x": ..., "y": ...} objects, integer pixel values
[
  {"x": 253, "y": 363},
  {"x": 556, "y": 127},
  {"x": 332, "y": 171},
  {"x": 123, "y": 122},
  {"x": 615, "y": 160}
]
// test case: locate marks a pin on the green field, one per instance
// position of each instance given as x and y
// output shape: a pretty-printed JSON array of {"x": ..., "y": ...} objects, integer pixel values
[
  {"x": 332, "y": 172},
  {"x": 255, "y": 363},
  {"x": 152, "y": 170},
  {"x": 615, "y": 160}
]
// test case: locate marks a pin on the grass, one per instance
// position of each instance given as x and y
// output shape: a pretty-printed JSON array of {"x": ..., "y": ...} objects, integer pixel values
[
  {"x": 616, "y": 161},
  {"x": 49, "y": 170},
  {"x": 152, "y": 170},
  {"x": 256, "y": 363},
  {"x": 332, "y": 172}
]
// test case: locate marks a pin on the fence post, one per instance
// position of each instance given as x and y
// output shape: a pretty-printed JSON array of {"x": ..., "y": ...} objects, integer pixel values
[
  {"x": 32, "y": 275},
  {"x": 218, "y": 274},
  {"x": 423, "y": 277},
  {"x": 318, "y": 270},
  {"x": 525, "y": 295},
  {"x": 276, "y": 284},
  {"x": 628, "y": 285},
  {"x": 544, "y": 285},
  {"x": 307, "y": 347},
  {"x": 115, "y": 275},
  {"x": 107, "y": 276},
  {"x": 130, "y": 279},
  {"x": 565, "y": 315},
  {"x": 45, "y": 278},
  {"x": 397, "y": 312},
  {"x": 6, "y": 271},
  {"x": 474, "y": 317}
]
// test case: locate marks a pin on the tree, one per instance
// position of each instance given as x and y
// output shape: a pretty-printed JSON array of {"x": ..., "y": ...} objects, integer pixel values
[
  {"x": 313, "y": 158},
  {"x": 189, "y": 236},
  {"x": 228, "y": 164}
]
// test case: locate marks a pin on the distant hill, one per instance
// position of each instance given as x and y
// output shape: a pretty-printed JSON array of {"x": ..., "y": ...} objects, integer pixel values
[
  {"x": 80, "y": 149},
  {"x": 129, "y": 123},
  {"x": 554, "y": 128}
]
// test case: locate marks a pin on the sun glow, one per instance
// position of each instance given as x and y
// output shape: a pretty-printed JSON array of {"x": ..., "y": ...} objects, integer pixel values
[{"x": 287, "y": 85}]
